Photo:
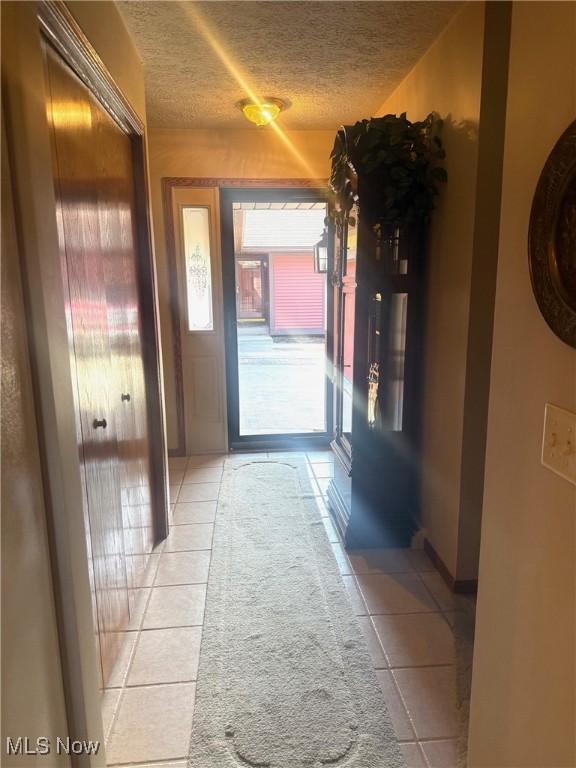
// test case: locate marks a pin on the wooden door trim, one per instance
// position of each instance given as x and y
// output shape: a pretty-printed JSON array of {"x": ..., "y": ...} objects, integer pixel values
[
  {"x": 224, "y": 181},
  {"x": 63, "y": 32},
  {"x": 151, "y": 350},
  {"x": 169, "y": 183}
]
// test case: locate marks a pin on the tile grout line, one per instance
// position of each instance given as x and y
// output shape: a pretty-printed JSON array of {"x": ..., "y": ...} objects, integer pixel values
[
  {"x": 182, "y": 583},
  {"x": 440, "y": 610},
  {"x": 188, "y": 549},
  {"x": 397, "y": 667},
  {"x": 160, "y": 761},
  {"x": 205, "y": 605},
  {"x": 353, "y": 574},
  {"x": 168, "y": 683},
  {"x": 193, "y": 626},
  {"x": 391, "y": 668},
  {"x": 138, "y": 630},
  {"x": 406, "y": 613},
  {"x": 161, "y": 683}
]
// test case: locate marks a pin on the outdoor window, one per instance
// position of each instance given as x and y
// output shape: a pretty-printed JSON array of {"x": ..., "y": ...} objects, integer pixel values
[{"x": 196, "y": 236}]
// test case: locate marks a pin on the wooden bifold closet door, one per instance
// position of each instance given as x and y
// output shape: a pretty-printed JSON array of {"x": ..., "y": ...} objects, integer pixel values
[{"x": 94, "y": 184}]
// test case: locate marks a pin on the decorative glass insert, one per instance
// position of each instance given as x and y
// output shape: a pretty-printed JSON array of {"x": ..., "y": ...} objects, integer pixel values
[
  {"x": 396, "y": 358},
  {"x": 196, "y": 237}
]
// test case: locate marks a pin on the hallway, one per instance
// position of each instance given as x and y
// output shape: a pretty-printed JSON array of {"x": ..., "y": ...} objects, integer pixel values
[
  {"x": 402, "y": 604},
  {"x": 170, "y": 602}
]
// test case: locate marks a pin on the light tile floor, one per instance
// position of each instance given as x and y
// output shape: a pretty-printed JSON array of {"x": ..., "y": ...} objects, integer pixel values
[{"x": 401, "y": 602}]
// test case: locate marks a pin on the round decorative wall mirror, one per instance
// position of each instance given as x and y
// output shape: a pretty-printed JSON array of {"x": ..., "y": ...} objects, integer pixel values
[{"x": 552, "y": 238}]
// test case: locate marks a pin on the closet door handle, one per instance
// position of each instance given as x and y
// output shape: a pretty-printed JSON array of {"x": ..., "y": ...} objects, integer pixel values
[
  {"x": 125, "y": 398},
  {"x": 99, "y": 423}
]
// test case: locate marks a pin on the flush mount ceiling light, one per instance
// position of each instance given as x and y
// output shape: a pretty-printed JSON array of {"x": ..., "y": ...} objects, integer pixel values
[{"x": 262, "y": 112}]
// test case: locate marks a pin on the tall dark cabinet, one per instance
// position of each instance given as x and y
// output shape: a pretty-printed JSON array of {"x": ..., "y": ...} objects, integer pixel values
[{"x": 378, "y": 305}]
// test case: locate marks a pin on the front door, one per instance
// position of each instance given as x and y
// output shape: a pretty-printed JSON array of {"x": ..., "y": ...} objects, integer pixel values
[{"x": 276, "y": 303}]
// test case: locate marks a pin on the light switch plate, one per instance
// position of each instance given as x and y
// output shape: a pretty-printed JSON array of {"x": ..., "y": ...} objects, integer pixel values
[{"x": 559, "y": 442}]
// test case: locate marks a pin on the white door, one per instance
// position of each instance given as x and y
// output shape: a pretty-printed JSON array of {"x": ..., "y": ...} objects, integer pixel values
[{"x": 199, "y": 269}]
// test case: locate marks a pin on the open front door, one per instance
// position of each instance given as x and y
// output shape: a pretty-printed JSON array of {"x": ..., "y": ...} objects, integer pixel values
[{"x": 277, "y": 306}]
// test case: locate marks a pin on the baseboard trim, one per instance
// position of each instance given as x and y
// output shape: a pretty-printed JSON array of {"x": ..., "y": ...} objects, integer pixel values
[
  {"x": 459, "y": 586},
  {"x": 338, "y": 511}
]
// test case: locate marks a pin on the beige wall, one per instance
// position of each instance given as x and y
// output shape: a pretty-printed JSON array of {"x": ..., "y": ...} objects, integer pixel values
[
  {"x": 447, "y": 80},
  {"x": 32, "y": 676},
  {"x": 250, "y": 153},
  {"x": 523, "y": 696}
]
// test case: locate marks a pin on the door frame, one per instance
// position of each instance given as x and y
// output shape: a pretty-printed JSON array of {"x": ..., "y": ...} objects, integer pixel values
[
  {"x": 275, "y": 192},
  {"x": 169, "y": 183},
  {"x": 29, "y": 26}
]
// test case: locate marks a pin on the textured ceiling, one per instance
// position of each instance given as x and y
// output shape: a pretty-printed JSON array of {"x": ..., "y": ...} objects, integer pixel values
[{"x": 334, "y": 61}]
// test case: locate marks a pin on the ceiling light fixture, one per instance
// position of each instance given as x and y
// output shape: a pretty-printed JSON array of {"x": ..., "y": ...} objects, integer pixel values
[{"x": 262, "y": 112}]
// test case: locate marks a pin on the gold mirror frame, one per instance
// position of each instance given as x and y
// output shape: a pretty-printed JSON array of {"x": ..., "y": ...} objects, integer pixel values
[{"x": 552, "y": 238}]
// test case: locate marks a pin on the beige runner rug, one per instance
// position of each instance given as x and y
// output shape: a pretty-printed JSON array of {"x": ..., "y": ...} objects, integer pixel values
[{"x": 285, "y": 678}]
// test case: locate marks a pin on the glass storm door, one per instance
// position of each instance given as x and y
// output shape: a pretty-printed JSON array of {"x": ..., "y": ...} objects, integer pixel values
[{"x": 276, "y": 307}]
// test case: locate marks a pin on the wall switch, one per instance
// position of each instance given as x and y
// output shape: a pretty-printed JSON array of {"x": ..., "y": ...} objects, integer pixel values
[{"x": 559, "y": 443}]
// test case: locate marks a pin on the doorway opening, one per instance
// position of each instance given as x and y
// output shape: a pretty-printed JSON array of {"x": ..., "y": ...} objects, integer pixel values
[{"x": 277, "y": 305}]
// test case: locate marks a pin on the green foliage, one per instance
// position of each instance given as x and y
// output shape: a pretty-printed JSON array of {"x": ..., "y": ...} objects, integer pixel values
[{"x": 398, "y": 160}]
